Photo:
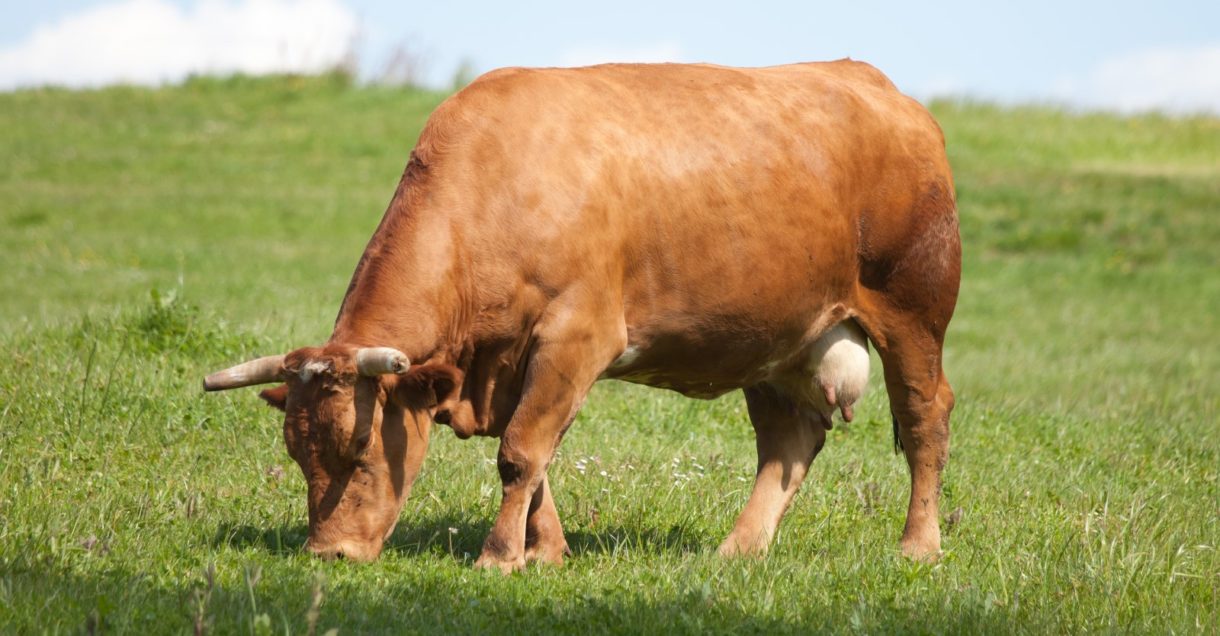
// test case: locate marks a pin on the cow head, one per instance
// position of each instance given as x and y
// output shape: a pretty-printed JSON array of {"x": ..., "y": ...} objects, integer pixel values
[{"x": 357, "y": 421}]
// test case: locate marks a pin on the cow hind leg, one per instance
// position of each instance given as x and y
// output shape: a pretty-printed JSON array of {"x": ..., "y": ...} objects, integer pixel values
[
  {"x": 788, "y": 438},
  {"x": 908, "y": 290},
  {"x": 921, "y": 400}
]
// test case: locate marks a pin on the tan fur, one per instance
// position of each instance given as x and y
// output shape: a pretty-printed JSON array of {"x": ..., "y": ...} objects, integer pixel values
[{"x": 691, "y": 227}]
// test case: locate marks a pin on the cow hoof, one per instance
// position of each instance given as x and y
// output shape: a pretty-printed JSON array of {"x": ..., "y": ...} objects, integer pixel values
[
  {"x": 504, "y": 566},
  {"x": 548, "y": 555},
  {"x": 732, "y": 548},
  {"x": 926, "y": 552}
]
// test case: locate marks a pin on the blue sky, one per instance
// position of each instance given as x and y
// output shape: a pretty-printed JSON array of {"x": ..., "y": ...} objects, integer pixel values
[{"x": 1122, "y": 55}]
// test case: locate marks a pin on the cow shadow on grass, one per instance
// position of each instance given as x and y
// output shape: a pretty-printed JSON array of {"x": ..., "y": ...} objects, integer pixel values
[
  {"x": 115, "y": 597},
  {"x": 283, "y": 540},
  {"x": 260, "y": 574},
  {"x": 463, "y": 538}
]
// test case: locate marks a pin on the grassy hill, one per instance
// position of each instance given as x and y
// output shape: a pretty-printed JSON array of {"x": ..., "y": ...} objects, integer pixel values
[{"x": 150, "y": 236}]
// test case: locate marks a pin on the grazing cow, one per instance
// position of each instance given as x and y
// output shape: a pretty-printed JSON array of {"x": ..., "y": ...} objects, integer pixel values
[{"x": 692, "y": 227}]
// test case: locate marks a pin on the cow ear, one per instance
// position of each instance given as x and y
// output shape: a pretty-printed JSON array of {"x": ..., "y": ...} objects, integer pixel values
[
  {"x": 429, "y": 385},
  {"x": 277, "y": 397}
]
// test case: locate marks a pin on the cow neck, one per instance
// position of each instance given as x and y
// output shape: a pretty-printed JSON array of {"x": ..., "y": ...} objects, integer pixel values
[{"x": 404, "y": 292}]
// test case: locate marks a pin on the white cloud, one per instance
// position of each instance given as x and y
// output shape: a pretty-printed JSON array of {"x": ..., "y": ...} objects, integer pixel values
[
  {"x": 1177, "y": 80},
  {"x": 154, "y": 41},
  {"x": 655, "y": 52}
]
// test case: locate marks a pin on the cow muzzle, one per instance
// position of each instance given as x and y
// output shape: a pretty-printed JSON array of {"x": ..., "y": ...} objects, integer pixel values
[{"x": 348, "y": 550}]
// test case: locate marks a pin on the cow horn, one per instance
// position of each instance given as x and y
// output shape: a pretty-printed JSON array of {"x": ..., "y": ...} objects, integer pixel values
[
  {"x": 258, "y": 371},
  {"x": 378, "y": 360}
]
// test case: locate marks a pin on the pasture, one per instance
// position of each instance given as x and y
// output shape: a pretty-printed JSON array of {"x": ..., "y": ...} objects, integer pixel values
[{"x": 151, "y": 236}]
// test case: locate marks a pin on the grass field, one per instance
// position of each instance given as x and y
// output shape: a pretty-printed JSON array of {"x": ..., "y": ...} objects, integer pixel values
[{"x": 150, "y": 236}]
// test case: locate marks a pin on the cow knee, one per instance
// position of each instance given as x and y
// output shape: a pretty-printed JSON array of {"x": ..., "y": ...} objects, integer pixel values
[
  {"x": 512, "y": 467},
  {"x": 945, "y": 397},
  {"x": 517, "y": 467}
]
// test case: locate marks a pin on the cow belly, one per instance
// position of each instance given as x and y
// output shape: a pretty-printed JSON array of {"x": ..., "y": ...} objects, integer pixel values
[
  {"x": 829, "y": 372},
  {"x": 688, "y": 384},
  {"x": 699, "y": 370}
]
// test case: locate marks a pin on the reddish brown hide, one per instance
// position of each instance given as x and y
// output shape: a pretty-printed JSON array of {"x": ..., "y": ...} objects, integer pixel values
[{"x": 691, "y": 227}]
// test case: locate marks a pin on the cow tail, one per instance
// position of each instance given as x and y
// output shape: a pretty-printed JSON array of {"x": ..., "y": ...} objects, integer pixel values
[{"x": 897, "y": 441}]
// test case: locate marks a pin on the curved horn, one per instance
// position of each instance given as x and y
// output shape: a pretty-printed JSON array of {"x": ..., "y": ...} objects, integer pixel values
[
  {"x": 379, "y": 360},
  {"x": 258, "y": 371}
]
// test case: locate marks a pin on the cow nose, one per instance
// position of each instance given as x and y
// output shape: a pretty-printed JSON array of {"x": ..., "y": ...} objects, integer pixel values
[
  {"x": 326, "y": 554},
  {"x": 343, "y": 550},
  {"x": 329, "y": 555}
]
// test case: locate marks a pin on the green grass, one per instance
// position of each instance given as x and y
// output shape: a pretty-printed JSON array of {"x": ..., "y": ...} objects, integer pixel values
[{"x": 150, "y": 236}]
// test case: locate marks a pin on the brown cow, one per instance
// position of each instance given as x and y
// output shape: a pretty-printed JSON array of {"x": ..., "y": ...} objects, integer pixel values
[{"x": 692, "y": 227}]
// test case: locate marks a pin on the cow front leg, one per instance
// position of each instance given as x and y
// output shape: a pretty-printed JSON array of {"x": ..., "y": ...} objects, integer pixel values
[
  {"x": 544, "y": 540},
  {"x": 558, "y": 378},
  {"x": 788, "y": 437},
  {"x": 526, "y": 449}
]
